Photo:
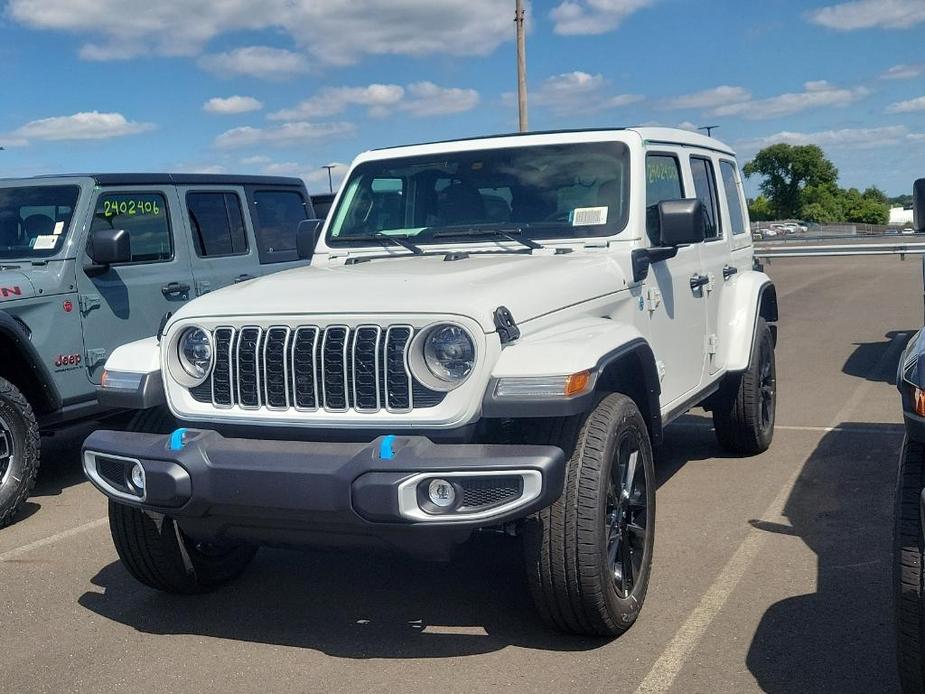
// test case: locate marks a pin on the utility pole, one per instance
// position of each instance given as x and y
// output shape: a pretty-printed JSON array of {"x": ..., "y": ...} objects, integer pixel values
[
  {"x": 521, "y": 65},
  {"x": 330, "y": 180},
  {"x": 709, "y": 129}
]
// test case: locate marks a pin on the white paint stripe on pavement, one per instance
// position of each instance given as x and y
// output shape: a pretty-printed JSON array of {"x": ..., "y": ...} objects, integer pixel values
[
  {"x": 888, "y": 428},
  {"x": 19, "y": 551},
  {"x": 669, "y": 664}
]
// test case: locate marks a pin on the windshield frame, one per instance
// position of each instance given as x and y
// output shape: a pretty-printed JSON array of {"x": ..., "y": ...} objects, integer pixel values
[{"x": 621, "y": 148}]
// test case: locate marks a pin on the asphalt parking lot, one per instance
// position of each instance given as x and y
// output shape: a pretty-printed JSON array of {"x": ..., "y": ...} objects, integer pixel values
[{"x": 771, "y": 573}]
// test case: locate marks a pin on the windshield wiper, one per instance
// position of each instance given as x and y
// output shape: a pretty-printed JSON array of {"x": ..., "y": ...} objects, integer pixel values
[
  {"x": 379, "y": 236},
  {"x": 509, "y": 233}
]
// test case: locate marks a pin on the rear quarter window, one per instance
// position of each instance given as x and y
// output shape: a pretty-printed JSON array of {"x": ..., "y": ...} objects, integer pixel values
[{"x": 277, "y": 214}]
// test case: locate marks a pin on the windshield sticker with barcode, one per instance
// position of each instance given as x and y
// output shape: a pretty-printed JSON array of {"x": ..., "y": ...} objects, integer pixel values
[
  {"x": 45, "y": 243},
  {"x": 588, "y": 216}
]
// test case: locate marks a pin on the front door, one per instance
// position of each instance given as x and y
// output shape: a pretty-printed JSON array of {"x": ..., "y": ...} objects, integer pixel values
[
  {"x": 127, "y": 302},
  {"x": 677, "y": 313}
]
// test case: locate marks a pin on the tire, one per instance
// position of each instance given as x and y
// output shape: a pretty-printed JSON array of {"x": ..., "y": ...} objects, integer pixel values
[
  {"x": 744, "y": 409},
  {"x": 156, "y": 552},
  {"x": 154, "y": 549},
  {"x": 908, "y": 562},
  {"x": 20, "y": 445},
  {"x": 567, "y": 546}
]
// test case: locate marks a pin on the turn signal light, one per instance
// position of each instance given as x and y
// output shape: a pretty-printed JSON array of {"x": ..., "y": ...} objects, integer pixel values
[
  {"x": 918, "y": 398},
  {"x": 577, "y": 383}
]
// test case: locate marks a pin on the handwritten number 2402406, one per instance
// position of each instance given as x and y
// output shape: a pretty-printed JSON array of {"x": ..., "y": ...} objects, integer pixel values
[{"x": 130, "y": 207}]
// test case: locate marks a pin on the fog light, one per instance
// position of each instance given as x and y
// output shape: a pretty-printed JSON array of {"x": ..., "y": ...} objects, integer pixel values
[
  {"x": 441, "y": 493},
  {"x": 138, "y": 477}
]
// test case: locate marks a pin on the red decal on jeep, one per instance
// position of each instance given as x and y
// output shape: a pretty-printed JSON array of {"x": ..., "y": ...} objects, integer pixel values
[
  {"x": 67, "y": 360},
  {"x": 7, "y": 291}
]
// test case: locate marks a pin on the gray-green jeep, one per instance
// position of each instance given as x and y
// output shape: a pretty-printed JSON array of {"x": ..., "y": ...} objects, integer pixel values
[{"x": 90, "y": 262}]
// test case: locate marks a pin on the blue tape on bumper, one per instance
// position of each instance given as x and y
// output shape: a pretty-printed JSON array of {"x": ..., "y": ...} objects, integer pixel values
[
  {"x": 386, "y": 452},
  {"x": 176, "y": 439}
]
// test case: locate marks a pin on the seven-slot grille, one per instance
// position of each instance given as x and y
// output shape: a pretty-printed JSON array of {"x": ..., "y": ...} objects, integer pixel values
[{"x": 308, "y": 368}]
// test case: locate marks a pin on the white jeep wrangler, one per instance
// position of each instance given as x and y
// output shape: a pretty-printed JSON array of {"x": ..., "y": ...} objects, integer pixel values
[{"x": 492, "y": 333}]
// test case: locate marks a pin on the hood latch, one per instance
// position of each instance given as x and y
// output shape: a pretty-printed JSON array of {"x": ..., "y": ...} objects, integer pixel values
[{"x": 507, "y": 327}]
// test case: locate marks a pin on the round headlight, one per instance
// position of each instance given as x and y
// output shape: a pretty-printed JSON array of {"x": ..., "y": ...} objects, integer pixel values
[
  {"x": 449, "y": 353},
  {"x": 194, "y": 350}
]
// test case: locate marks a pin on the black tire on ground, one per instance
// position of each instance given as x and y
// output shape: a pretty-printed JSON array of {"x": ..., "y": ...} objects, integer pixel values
[
  {"x": 588, "y": 556},
  {"x": 908, "y": 560},
  {"x": 156, "y": 552},
  {"x": 744, "y": 408},
  {"x": 20, "y": 444},
  {"x": 154, "y": 549}
]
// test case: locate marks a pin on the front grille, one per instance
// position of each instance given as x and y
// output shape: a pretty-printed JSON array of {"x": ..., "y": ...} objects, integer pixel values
[
  {"x": 483, "y": 492},
  {"x": 309, "y": 368}
]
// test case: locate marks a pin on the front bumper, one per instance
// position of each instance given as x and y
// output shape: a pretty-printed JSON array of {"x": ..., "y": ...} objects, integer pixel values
[{"x": 293, "y": 492}]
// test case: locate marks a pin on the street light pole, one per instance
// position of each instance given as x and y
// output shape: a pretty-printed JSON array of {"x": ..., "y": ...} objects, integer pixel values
[
  {"x": 330, "y": 180},
  {"x": 521, "y": 65},
  {"x": 709, "y": 129}
]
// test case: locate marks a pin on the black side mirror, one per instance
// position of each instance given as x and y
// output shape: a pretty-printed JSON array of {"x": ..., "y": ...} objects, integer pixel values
[
  {"x": 109, "y": 246},
  {"x": 681, "y": 222},
  {"x": 306, "y": 237},
  {"x": 918, "y": 205}
]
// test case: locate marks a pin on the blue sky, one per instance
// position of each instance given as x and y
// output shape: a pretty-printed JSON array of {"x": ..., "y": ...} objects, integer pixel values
[{"x": 285, "y": 86}]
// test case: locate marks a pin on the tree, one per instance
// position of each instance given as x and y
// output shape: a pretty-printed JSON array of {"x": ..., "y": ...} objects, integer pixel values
[
  {"x": 759, "y": 209},
  {"x": 786, "y": 170},
  {"x": 823, "y": 204}
]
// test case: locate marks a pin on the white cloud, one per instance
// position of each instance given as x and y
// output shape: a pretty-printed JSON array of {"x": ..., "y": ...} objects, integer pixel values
[
  {"x": 709, "y": 98},
  {"x": 90, "y": 125},
  {"x": 231, "y": 105},
  {"x": 593, "y": 16},
  {"x": 257, "y": 159},
  {"x": 331, "y": 31},
  {"x": 687, "y": 125},
  {"x": 576, "y": 92},
  {"x": 418, "y": 99},
  {"x": 261, "y": 62},
  {"x": 908, "y": 106},
  {"x": 848, "y": 138},
  {"x": 298, "y": 132},
  {"x": 868, "y": 14},
  {"x": 903, "y": 72},
  {"x": 814, "y": 95}
]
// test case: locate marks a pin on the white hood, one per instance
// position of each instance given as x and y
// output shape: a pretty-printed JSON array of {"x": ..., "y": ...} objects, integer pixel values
[{"x": 528, "y": 285}]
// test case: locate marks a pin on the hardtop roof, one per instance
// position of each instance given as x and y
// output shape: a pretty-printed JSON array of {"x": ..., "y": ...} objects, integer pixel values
[{"x": 118, "y": 179}]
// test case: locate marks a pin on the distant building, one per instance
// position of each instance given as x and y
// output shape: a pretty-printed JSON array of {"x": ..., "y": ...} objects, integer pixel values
[{"x": 900, "y": 216}]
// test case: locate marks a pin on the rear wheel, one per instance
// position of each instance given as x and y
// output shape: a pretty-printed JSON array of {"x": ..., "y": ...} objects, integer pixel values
[
  {"x": 19, "y": 450},
  {"x": 908, "y": 561},
  {"x": 744, "y": 408},
  {"x": 588, "y": 556}
]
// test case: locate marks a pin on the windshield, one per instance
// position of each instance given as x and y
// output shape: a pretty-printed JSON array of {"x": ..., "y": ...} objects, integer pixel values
[
  {"x": 35, "y": 219},
  {"x": 561, "y": 191}
]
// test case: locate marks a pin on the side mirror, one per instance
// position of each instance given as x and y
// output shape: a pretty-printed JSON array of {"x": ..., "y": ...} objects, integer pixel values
[
  {"x": 918, "y": 205},
  {"x": 306, "y": 238},
  {"x": 681, "y": 222},
  {"x": 109, "y": 246}
]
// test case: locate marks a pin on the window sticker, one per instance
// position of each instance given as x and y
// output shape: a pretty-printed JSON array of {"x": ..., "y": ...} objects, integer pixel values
[
  {"x": 59, "y": 228},
  {"x": 588, "y": 216},
  {"x": 45, "y": 243}
]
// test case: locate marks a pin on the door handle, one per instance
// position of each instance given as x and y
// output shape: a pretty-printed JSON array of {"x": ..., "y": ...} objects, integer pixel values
[
  {"x": 174, "y": 288},
  {"x": 729, "y": 271},
  {"x": 243, "y": 278},
  {"x": 698, "y": 281}
]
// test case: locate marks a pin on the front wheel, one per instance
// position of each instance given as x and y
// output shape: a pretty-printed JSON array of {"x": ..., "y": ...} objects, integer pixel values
[
  {"x": 908, "y": 561},
  {"x": 588, "y": 556},
  {"x": 19, "y": 450}
]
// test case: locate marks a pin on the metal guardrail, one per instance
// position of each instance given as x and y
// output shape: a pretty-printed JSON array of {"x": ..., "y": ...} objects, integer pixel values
[{"x": 900, "y": 249}]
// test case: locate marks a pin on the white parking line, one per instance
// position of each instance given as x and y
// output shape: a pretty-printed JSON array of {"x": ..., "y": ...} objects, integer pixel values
[
  {"x": 19, "y": 551},
  {"x": 887, "y": 429},
  {"x": 669, "y": 664}
]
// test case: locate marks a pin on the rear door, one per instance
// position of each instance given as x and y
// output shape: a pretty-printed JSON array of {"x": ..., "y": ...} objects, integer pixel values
[
  {"x": 221, "y": 242},
  {"x": 275, "y": 212},
  {"x": 126, "y": 302}
]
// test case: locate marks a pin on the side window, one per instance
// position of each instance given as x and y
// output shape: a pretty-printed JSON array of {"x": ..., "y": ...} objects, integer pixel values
[
  {"x": 278, "y": 213},
  {"x": 663, "y": 182},
  {"x": 217, "y": 223},
  {"x": 705, "y": 189},
  {"x": 143, "y": 216},
  {"x": 733, "y": 196}
]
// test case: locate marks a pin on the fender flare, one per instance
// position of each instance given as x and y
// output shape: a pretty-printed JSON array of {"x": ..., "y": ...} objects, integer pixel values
[
  {"x": 38, "y": 381},
  {"x": 752, "y": 296}
]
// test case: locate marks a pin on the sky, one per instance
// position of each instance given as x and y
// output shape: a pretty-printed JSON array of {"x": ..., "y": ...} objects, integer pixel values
[{"x": 287, "y": 86}]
